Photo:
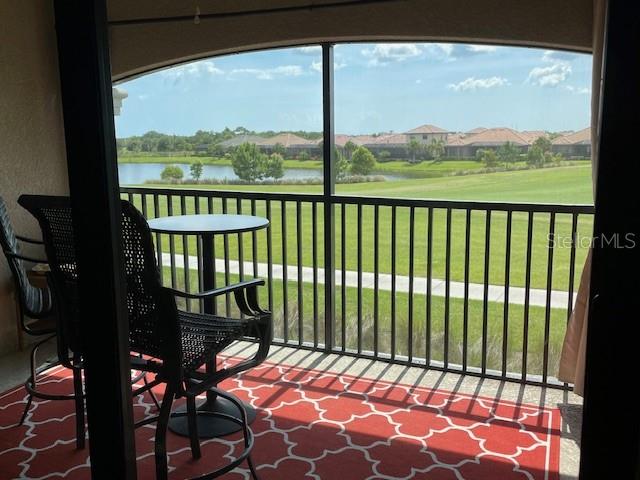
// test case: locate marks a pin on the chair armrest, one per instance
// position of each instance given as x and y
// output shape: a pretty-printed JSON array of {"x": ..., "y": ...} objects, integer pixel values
[
  {"x": 217, "y": 291},
  {"x": 29, "y": 240},
  {"x": 25, "y": 258}
]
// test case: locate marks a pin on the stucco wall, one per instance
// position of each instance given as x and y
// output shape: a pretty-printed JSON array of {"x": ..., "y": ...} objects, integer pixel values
[
  {"x": 32, "y": 155},
  {"x": 138, "y": 48}
]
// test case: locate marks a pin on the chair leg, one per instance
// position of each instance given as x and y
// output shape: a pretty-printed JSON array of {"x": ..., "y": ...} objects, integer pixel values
[
  {"x": 34, "y": 376},
  {"x": 192, "y": 417},
  {"x": 252, "y": 469},
  {"x": 161, "y": 433},
  {"x": 153, "y": 395},
  {"x": 26, "y": 410},
  {"x": 79, "y": 404}
]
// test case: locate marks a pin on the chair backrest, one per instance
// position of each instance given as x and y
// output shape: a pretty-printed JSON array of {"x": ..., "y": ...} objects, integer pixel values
[
  {"x": 152, "y": 314},
  {"x": 32, "y": 299}
]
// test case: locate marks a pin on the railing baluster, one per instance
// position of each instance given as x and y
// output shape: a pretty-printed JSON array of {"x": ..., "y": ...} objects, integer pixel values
[
  {"x": 196, "y": 209},
  {"x": 172, "y": 244},
  {"x": 547, "y": 312},
  {"x": 143, "y": 203},
  {"x": 300, "y": 273},
  {"x": 393, "y": 282},
  {"x": 269, "y": 255},
  {"x": 314, "y": 253},
  {"x": 240, "y": 243},
  {"x": 507, "y": 290},
  {"x": 376, "y": 279},
  {"x": 156, "y": 213},
  {"x": 527, "y": 292},
  {"x": 343, "y": 267},
  {"x": 285, "y": 272},
  {"x": 572, "y": 264},
  {"x": 447, "y": 288},
  {"x": 227, "y": 269},
  {"x": 412, "y": 215},
  {"x": 429, "y": 280},
  {"x": 185, "y": 254},
  {"x": 210, "y": 211},
  {"x": 359, "y": 253},
  {"x": 485, "y": 293},
  {"x": 254, "y": 241},
  {"x": 465, "y": 312}
]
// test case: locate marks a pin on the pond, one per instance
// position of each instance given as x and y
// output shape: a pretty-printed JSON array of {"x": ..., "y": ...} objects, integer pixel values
[{"x": 138, "y": 173}]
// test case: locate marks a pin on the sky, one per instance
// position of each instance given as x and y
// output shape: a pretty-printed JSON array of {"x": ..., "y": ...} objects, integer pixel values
[{"x": 382, "y": 87}]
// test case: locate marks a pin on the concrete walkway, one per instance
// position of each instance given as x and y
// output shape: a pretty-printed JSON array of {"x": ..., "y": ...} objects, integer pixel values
[{"x": 496, "y": 293}]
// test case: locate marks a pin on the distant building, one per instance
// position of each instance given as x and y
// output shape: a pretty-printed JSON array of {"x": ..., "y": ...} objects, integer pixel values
[
  {"x": 576, "y": 144},
  {"x": 427, "y": 134},
  {"x": 467, "y": 146}
]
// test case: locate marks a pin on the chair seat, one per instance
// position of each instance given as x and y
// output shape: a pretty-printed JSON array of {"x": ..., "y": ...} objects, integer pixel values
[
  {"x": 41, "y": 326},
  {"x": 204, "y": 335}
]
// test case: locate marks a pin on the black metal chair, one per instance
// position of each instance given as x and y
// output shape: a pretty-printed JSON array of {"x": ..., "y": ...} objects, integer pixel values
[
  {"x": 175, "y": 344},
  {"x": 38, "y": 317}
]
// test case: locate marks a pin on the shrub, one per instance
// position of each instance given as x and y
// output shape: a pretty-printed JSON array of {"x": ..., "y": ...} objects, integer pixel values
[
  {"x": 384, "y": 156},
  {"x": 362, "y": 161},
  {"x": 488, "y": 157},
  {"x": 172, "y": 172}
]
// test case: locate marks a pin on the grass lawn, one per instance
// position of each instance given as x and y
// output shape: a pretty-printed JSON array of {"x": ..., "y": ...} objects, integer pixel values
[
  {"x": 562, "y": 185},
  {"x": 495, "y": 318}
]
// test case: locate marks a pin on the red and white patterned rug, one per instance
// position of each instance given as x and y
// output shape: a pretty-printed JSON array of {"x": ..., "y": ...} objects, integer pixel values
[{"x": 313, "y": 425}]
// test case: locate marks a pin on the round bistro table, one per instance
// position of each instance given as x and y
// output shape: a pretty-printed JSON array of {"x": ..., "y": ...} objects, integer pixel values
[{"x": 206, "y": 227}]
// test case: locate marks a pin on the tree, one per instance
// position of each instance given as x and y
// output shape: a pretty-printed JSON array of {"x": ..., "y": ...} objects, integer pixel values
[
  {"x": 196, "y": 170},
  {"x": 247, "y": 162},
  {"x": 362, "y": 161},
  {"x": 273, "y": 166},
  {"x": 508, "y": 153},
  {"x": 535, "y": 155},
  {"x": 215, "y": 150},
  {"x": 543, "y": 143},
  {"x": 172, "y": 173},
  {"x": 349, "y": 148},
  {"x": 414, "y": 147},
  {"x": 341, "y": 164},
  {"x": 279, "y": 149},
  {"x": 488, "y": 157},
  {"x": 436, "y": 149}
]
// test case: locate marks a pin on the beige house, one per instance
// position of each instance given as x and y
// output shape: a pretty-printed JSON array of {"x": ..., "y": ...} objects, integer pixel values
[{"x": 427, "y": 134}]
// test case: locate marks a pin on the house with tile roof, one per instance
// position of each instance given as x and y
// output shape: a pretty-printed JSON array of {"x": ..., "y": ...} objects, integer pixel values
[
  {"x": 427, "y": 133},
  {"x": 572, "y": 145}
]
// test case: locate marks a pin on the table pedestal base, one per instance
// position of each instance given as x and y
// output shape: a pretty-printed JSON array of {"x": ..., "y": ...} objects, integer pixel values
[{"x": 210, "y": 426}]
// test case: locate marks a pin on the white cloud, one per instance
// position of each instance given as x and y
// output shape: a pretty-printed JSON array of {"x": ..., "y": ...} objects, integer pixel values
[
  {"x": 440, "y": 51},
  {"x": 337, "y": 65},
  {"x": 558, "y": 56},
  {"x": 195, "y": 69},
  {"x": 309, "y": 50},
  {"x": 385, "y": 53},
  {"x": 578, "y": 90},
  {"x": 482, "y": 48},
  {"x": 271, "y": 73},
  {"x": 473, "y": 83},
  {"x": 550, "y": 76}
]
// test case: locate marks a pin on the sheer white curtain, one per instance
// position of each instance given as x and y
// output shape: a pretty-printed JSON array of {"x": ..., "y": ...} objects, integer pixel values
[{"x": 572, "y": 361}]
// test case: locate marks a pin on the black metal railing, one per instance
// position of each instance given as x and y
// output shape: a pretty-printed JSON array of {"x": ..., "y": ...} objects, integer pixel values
[{"x": 480, "y": 288}]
